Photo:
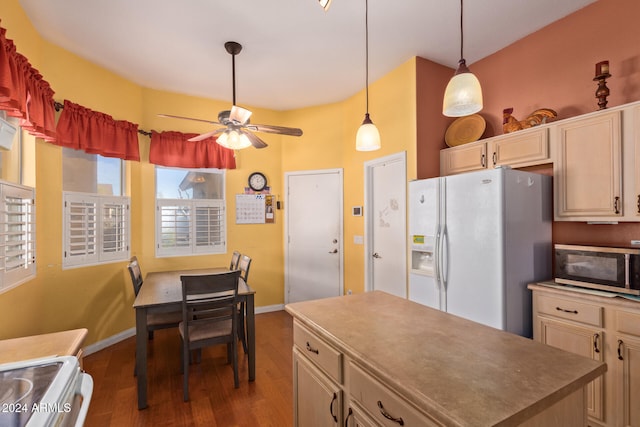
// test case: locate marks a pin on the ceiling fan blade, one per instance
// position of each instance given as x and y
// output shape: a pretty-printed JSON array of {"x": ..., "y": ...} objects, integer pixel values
[
  {"x": 171, "y": 116},
  {"x": 239, "y": 115},
  {"x": 255, "y": 141},
  {"x": 206, "y": 135},
  {"x": 275, "y": 129}
]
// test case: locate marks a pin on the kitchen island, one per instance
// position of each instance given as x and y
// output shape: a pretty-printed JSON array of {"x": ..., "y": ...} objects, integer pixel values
[{"x": 374, "y": 359}]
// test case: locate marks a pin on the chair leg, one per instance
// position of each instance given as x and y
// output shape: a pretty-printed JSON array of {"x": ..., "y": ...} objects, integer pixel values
[
  {"x": 185, "y": 371},
  {"x": 234, "y": 350}
]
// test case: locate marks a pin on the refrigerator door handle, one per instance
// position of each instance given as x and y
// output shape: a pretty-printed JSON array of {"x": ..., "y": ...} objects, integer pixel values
[
  {"x": 443, "y": 258},
  {"x": 436, "y": 253}
]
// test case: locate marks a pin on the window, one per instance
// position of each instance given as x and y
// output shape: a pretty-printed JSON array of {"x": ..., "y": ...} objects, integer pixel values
[
  {"x": 190, "y": 212},
  {"x": 17, "y": 235},
  {"x": 96, "y": 220}
]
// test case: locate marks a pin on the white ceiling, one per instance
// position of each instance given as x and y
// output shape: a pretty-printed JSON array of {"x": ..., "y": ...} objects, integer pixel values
[{"x": 295, "y": 55}]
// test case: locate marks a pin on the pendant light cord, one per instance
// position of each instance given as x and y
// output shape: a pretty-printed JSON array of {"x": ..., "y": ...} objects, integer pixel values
[
  {"x": 461, "y": 32},
  {"x": 366, "y": 55}
]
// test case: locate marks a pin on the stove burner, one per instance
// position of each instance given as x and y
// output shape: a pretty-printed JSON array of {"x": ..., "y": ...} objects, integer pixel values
[{"x": 21, "y": 389}]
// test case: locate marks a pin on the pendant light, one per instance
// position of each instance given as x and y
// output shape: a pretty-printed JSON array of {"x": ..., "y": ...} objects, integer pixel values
[
  {"x": 463, "y": 95},
  {"x": 368, "y": 137}
]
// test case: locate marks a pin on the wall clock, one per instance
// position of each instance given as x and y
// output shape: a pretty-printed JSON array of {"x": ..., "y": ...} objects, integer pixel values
[{"x": 257, "y": 181}]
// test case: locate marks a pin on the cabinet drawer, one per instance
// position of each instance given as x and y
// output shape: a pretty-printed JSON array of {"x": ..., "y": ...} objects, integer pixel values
[
  {"x": 315, "y": 349},
  {"x": 628, "y": 323},
  {"x": 571, "y": 310},
  {"x": 380, "y": 401}
]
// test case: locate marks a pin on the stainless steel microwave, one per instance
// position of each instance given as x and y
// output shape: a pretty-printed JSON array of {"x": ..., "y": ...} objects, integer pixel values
[{"x": 596, "y": 267}]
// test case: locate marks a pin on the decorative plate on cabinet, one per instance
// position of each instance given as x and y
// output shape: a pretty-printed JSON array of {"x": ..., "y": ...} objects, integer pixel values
[{"x": 464, "y": 130}]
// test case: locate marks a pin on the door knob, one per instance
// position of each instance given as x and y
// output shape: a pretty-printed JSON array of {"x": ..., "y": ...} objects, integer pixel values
[
  {"x": 335, "y": 251},
  {"x": 376, "y": 255}
]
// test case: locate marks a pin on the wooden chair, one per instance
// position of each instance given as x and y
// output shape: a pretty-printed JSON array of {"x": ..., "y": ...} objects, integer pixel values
[
  {"x": 235, "y": 259},
  {"x": 155, "y": 321},
  {"x": 209, "y": 304},
  {"x": 243, "y": 265}
]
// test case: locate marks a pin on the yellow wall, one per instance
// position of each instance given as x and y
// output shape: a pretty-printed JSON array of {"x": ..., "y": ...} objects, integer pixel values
[{"x": 100, "y": 298}]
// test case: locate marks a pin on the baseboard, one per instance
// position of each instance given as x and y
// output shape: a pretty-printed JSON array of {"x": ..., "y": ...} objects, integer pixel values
[
  {"x": 114, "y": 339},
  {"x": 269, "y": 308}
]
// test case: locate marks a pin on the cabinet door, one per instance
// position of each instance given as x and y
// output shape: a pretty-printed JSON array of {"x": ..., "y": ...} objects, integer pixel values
[
  {"x": 317, "y": 400},
  {"x": 464, "y": 158},
  {"x": 584, "y": 341},
  {"x": 635, "y": 195},
  {"x": 587, "y": 170},
  {"x": 628, "y": 380},
  {"x": 524, "y": 148}
]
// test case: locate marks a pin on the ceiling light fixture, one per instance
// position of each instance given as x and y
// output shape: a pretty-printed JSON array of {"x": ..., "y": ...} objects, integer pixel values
[
  {"x": 463, "y": 95},
  {"x": 325, "y": 4},
  {"x": 368, "y": 137},
  {"x": 233, "y": 139}
]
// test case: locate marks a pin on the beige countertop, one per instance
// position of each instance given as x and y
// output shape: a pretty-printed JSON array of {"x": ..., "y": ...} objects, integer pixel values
[
  {"x": 64, "y": 343},
  {"x": 452, "y": 368}
]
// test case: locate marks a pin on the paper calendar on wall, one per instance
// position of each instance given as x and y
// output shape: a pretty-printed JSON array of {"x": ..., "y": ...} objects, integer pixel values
[{"x": 254, "y": 209}]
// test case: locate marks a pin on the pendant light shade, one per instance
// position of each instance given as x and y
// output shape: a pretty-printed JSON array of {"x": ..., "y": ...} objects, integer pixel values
[
  {"x": 368, "y": 137},
  {"x": 463, "y": 95}
]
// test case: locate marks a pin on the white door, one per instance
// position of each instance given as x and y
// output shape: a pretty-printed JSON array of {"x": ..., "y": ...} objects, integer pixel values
[
  {"x": 313, "y": 235},
  {"x": 385, "y": 225}
]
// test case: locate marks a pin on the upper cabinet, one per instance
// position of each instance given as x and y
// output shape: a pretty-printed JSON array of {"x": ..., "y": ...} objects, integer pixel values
[
  {"x": 519, "y": 149},
  {"x": 596, "y": 162},
  {"x": 587, "y": 167}
]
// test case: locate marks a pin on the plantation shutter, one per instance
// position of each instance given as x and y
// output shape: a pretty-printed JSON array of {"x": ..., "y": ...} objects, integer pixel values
[{"x": 17, "y": 235}]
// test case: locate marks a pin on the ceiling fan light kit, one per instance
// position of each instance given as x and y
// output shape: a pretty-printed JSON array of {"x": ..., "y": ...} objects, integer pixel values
[
  {"x": 368, "y": 136},
  {"x": 463, "y": 95},
  {"x": 239, "y": 131}
]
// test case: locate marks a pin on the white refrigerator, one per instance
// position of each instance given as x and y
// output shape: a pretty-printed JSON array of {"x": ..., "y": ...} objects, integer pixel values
[{"x": 476, "y": 240}]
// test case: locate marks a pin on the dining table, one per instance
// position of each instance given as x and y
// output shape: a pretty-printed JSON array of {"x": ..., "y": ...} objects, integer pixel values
[{"x": 161, "y": 291}]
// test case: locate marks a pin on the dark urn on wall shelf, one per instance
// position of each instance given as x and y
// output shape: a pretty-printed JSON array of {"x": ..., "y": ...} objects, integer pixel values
[{"x": 602, "y": 74}]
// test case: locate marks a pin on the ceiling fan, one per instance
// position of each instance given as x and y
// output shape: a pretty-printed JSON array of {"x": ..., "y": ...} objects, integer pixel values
[{"x": 238, "y": 131}]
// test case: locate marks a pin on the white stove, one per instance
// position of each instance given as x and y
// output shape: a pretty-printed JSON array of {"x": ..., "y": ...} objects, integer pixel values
[{"x": 44, "y": 392}]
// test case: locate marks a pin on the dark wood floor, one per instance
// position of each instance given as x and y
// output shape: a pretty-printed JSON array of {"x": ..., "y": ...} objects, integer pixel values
[{"x": 214, "y": 401}]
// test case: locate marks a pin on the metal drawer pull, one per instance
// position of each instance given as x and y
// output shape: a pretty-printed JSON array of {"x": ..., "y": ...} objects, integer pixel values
[
  {"x": 335, "y": 397},
  {"x": 638, "y": 203},
  {"x": 596, "y": 337},
  {"x": 389, "y": 417},
  {"x": 620, "y": 344},
  {"x": 495, "y": 158},
  {"x": 482, "y": 161},
  {"x": 311, "y": 349},
  {"x": 616, "y": 204},
  {"x": 567, "y": 311}
]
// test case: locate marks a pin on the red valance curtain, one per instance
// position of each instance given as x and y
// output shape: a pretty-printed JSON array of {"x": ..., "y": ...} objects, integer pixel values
[
  {"x": 24, "y": 93},
  {"x": 97, "y": 133},
  {"x": 172, "y": 149}
]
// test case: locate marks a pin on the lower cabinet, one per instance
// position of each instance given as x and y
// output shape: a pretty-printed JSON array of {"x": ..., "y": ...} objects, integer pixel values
[
  {"x": 318, "y": 399},
  {"x": 602, "y": 328},
  {"x": 331, "y": 390}
]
